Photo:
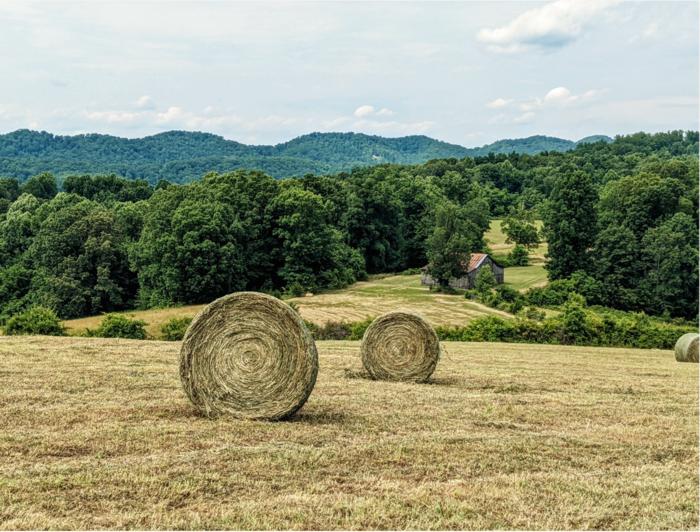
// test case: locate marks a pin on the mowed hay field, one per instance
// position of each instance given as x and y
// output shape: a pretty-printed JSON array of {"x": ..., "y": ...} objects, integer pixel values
[
  {"x": 519, "y": 277},
  {"x": 366, "y": 299},
  {"x": 369, "y": 299},
  {"x": 97, "y": 433}
]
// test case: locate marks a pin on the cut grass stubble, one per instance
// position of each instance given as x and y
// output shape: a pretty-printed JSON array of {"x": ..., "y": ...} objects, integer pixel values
[{"x": 98, "y": 434}]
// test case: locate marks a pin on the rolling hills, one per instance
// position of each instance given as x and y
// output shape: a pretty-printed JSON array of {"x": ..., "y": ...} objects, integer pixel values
[{"x": 183, "y": 156}]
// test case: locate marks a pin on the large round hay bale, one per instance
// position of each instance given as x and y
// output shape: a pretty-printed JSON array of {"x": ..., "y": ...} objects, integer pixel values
[
  {"x": 400, "y": 346},
  {"x": 687, "y": 348},
  {"x": 248, "y": 355}
]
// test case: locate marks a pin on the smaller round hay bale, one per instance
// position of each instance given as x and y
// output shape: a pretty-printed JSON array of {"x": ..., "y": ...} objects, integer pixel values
[
  {"x": 687, "y": 348},
  {"x": 248, "y": 355},
  {"x": 400, "y": 346}
]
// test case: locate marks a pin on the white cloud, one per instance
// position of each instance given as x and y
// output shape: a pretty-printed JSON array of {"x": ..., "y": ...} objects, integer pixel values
[
  {"x": 114, "y": 117},
  {"x": 145, "y": 102},
  {"x": 499, "y": 103},
  {"x": 551, "y": 26},
  {"x": 558, "y": 94},
  {"x": 364, "y": 110},
  {"x": 530, "y": 105},
  {"x": 563, "y": 96},
  {"x": 173, "y": 114},
  {"x": 555, "y": 99},
  {"x": 524, "y": 118}
]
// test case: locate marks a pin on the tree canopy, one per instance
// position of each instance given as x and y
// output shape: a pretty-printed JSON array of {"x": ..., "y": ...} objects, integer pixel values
[{"x": 620, "y": 219}]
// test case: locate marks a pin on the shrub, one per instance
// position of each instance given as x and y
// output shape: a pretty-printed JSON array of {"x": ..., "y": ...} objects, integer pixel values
[
  {"x": 554, "y": 294},
  {"x": 36, "y": 320},
  {"x": 357, "y": 329},
  {"x": 519, "y": 256},
  {"x": 295, "y": 289},
  {"x": 533, "y": 313},
  {"x": 120, "y": 326},
  {"x": 339, "y": 330},
  {"x": 333, "y": 330},
  {"x": 502, "y": 297},
  {"x": 485, "y": 280},
  {"x": 174, "y": 329},
  {"x": 557, "y": 292},
  {"x": 575, "y": 326},
  {"x": 443, "y": 289},
  {"x": 503, "y": 260}
]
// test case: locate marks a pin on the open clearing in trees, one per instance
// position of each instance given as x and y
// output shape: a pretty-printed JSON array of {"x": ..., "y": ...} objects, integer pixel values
[
  {"x": 366, "y": 299},
  {"x": 97, "y": 433},
  {"x": 370, "y": 299}
]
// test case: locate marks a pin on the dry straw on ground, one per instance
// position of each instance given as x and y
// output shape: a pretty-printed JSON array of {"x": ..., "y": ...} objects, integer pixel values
[
  {"x": 248, "y": 355},
  {"x": 400, "y": 346},
  {"x": 687, "y": 348}
]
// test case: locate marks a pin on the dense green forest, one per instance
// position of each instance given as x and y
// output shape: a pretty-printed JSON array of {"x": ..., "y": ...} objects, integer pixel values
[
  {"x": 182, "y": 157},
  {"x": 620, "y": 219}
]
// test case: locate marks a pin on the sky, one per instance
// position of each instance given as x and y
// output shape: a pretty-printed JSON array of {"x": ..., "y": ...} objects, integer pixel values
[{"x": 265, "y": 72}]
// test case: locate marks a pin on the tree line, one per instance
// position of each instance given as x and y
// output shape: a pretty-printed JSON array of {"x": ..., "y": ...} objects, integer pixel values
[{"x": 620, "y": 219}]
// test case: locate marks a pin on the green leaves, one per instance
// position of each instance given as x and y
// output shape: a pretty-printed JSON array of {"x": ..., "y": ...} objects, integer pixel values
[
  {"x": 453, "y": 239},
  {"x": 570, "y": 222}
]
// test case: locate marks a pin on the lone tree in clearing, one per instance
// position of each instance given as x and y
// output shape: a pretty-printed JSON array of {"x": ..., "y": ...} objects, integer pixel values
[
  {"x": 450, "y": 244},
  {"x": 520, "y": 229}
]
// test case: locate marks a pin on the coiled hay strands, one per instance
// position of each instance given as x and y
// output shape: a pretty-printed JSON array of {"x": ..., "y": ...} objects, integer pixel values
[
  {"x": 248, "y": 355},
  {"x": 400, "y": 346},
  {"x": 687, "y": 348}
]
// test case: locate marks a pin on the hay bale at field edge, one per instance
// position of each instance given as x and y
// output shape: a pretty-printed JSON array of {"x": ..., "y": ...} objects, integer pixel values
[
  {"x": 687, "y": 348},
  {"x": 250, "y": 356},
  {"x": 400, "y": 346}
]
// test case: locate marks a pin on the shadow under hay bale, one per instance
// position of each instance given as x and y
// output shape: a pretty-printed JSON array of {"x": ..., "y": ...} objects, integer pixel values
[
  {"x": 400, "y": 346},
  {"x": 354, "y": 374},
  {"x": 687, "y": 348},
  {"x": 320, "y": 417},
  {"x": 248, "y": 355}
]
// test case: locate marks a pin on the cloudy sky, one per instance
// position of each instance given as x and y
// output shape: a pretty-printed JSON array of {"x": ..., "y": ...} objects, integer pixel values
[{"x": 468, "y": 73}]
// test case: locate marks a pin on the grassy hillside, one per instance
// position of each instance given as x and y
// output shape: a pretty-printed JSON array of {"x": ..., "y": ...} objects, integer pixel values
[
  {"x": 98, "y": 434},
  {"x": 496, "y": 240},
  {"x": 522, "y": 277},
  {"x": 355, "y": 303}
]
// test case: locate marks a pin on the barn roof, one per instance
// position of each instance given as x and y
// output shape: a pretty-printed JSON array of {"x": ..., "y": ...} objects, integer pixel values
[{"x": 475, "y": 261}]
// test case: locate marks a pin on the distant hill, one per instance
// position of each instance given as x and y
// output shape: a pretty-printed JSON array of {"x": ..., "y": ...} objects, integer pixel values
[
  {"x": 595, "y": 138},
  {"x": 529, "y": 145},
  {"x": 182, "y": 156}
]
